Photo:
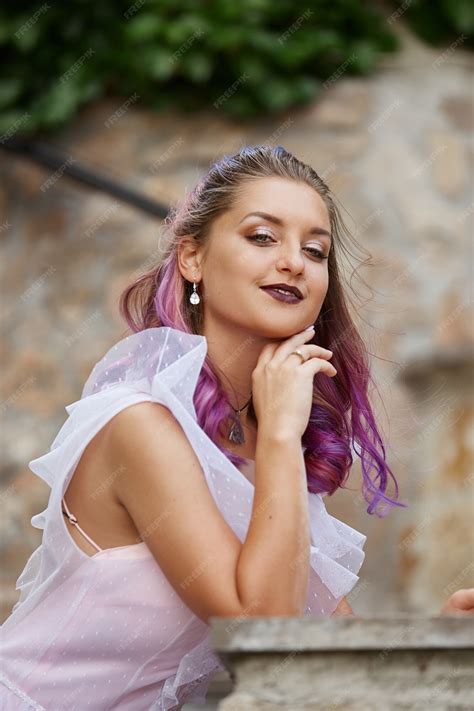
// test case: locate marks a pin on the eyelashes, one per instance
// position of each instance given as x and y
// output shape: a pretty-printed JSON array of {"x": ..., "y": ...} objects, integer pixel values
[{"x": 316, "y": 252}]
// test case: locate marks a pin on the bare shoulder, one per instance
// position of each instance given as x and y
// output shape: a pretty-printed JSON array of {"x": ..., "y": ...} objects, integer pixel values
[
  {"x": 145, "y": 437},
  {"x": 164, "y": 489},
  {"x": 134, "y": 417}
]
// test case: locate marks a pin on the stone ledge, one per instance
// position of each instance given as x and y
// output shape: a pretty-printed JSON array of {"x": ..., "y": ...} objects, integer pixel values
[
  {"x": 351, "y": 663},
  {"x": 263, "y": 634}
]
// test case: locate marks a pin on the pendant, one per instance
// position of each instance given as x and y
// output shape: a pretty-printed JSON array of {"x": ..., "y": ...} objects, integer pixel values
[{"x": 236, "y": 433}]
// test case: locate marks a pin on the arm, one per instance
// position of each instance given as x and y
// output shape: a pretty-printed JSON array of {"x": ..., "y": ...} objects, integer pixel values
[
  {"x": 274, "y": 563},
  {"x": 164, "y": 490}
]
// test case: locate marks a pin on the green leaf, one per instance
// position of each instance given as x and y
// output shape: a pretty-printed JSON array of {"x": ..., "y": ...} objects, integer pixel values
[
  {"x": 461, "y": 12},
  {"x": 186, "y": 31},
  {"x": 252, "y": 68},
  {"x": 27, "y": 33},
  {"x": 197, "y": 66},
  {"x": 276, "y": 93},
  {"x": 12, "y": 122},
  {"x": 10, "y": 90},
  {"x": 59, "y": 103},
  {"x": 143, "y": 27},
  {"x": 363, "y": 58},
  {"x": 158, "y": 63},
  {"x": 306, "y": 88}
]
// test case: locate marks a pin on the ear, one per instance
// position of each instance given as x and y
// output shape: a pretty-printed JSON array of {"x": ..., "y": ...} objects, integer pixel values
[{"x": 189, "y": 256}]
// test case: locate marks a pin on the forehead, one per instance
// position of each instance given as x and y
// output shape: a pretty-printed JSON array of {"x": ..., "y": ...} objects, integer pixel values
[{"x": 295, "y": 203}]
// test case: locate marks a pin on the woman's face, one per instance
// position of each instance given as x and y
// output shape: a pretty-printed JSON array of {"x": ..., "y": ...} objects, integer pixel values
[{"x": 245, "y": 252}]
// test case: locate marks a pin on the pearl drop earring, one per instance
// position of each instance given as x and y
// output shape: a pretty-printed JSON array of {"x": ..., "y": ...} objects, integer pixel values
[{"x": 194, "y": 298}]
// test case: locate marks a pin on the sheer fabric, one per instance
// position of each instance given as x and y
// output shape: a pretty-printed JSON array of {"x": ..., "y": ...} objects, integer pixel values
[{"x": 108, "y": 631}]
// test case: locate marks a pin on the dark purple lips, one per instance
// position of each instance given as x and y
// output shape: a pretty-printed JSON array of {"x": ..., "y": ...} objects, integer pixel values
[
  {"x": 285, "y": 287},
  {"x": 287, "y": 297}
]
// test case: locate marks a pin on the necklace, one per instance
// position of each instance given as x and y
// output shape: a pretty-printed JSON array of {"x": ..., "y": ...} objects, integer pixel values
[{"x": 236, "y": 433}]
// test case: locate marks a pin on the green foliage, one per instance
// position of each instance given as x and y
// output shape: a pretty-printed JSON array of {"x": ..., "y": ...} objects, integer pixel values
[
  {"x": 241, "y": 57},
  {"x": 442, "y": 23}
]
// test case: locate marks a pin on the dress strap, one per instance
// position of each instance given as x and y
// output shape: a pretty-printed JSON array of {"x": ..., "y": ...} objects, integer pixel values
[{"x": 73, "y": 520}]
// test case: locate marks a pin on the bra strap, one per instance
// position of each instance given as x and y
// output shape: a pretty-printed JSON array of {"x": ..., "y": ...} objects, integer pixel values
[{"x": 73, "y": 520}]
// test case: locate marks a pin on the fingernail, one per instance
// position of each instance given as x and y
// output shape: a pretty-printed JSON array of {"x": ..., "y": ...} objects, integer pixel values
[{"x": 310, "y": 328}]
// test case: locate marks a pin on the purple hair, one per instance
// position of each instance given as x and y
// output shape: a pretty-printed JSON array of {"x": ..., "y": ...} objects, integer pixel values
[{"x": 341, "y": 415}]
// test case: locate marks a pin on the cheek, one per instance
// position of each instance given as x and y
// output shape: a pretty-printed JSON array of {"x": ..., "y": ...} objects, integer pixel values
[
  {"x": 320, "y": 281},
  {"x": 225, "y": 273},
  {"x": 222, "y": 265},
  {"x": 326, "y": 280},
  {"x": 243, "y": 259}
]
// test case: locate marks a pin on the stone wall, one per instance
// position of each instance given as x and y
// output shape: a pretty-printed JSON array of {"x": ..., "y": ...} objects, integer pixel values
[{"x": 397, "y": 151}]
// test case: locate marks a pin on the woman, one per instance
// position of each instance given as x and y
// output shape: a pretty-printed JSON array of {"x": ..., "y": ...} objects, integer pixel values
[{"x": 188, "y": 481}]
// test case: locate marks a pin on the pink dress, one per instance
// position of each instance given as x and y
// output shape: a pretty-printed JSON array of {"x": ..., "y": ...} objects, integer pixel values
[{"x": 108, "y": 631}]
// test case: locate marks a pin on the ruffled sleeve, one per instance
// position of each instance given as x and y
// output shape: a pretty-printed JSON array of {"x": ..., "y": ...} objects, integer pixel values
[{"x": 336, "y": 558}]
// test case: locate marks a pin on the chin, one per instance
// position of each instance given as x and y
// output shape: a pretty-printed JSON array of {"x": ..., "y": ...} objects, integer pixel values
[{"x": 280, "y": 332}]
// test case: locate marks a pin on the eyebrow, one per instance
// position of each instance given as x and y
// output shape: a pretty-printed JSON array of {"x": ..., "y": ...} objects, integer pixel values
[{"x": 277, "y": 221}]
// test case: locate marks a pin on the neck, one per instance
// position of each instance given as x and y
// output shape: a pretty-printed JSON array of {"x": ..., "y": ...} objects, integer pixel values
[{"x": 234, "y": 356}]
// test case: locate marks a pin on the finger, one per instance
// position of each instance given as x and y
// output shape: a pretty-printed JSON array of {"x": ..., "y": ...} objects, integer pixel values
[
  {"x": 271, "y": 349},
  {"x": 310, "y": 350},
  {"x": 300, "y": 341},
  {"x": 318, "y": 365},
  {"x": 463, "y": 599}
]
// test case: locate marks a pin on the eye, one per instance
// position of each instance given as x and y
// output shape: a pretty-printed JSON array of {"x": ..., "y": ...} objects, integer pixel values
[
  {"x": 317, "y": 253},
  {"x": 254, "y": 238}
]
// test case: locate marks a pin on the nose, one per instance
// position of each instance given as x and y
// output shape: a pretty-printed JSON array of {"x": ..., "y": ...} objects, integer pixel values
[{"x": 290, "y": 259}]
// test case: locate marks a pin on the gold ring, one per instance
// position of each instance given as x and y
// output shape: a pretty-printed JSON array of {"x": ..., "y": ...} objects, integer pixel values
[{"x": 299, "y": 353}]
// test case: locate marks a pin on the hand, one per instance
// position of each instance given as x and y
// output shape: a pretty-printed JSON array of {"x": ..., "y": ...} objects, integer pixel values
[
  {"x": 461, "y": 602},
  {"x": 282, "y": 385}
]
